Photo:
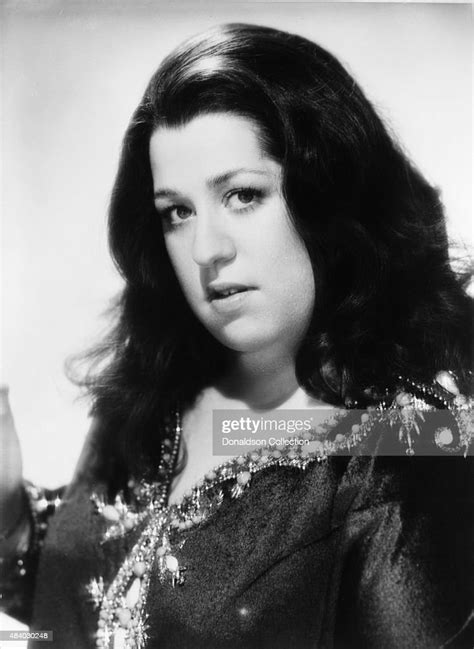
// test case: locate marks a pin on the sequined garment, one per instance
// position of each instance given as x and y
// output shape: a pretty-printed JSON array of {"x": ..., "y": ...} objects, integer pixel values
[{"x": 334, "y": 544}]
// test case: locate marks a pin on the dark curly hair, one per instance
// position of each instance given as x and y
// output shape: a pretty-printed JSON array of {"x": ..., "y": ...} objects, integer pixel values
[{"x": 388, "y": 301}]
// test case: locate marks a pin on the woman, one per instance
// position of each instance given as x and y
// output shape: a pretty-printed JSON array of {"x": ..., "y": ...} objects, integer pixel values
[{"x": 279, "y": 252}]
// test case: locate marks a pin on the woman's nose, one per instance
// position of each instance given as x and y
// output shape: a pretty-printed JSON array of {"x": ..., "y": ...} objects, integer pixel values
[{"x": 212, "y": 240}]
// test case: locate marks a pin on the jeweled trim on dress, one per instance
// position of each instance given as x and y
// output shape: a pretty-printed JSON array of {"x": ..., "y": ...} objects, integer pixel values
[{"x": 123, "y": 618}]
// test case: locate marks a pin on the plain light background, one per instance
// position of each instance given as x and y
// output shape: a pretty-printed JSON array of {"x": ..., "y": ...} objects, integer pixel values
[{"x": 72, "y": 73}]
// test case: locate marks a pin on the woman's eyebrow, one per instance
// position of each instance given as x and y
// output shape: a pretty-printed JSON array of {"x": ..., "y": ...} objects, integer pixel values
[
  {"x": 222, "y": 179},
  {"x": 165, "y": 193},
  {"x": 215, "y": 181}
]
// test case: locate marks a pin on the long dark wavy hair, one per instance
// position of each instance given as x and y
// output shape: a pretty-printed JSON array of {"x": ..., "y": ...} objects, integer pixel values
[{"x": 388, "y": 302}]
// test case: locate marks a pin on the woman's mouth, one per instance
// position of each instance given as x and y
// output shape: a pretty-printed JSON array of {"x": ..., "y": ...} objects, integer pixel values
[
  {"x": 224, "y": 291},
  {"x": 228, "y": 297}
]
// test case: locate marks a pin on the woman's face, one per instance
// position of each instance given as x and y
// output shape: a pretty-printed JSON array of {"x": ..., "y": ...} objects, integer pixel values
[{"x": 241, "y": 264}]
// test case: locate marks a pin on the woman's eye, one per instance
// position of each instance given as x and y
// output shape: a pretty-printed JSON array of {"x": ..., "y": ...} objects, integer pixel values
[
  {"x": 243, "y": 198},
  {"x": 176, "y": 213}
]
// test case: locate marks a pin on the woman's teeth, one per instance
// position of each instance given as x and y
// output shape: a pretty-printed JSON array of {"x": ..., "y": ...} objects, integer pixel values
[{"x": 230, "y": 291}]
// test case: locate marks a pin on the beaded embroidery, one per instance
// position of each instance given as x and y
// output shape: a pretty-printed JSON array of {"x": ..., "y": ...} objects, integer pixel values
[
  {"x": 15, "y": 570},
  {"x": 122, "y": 617}
]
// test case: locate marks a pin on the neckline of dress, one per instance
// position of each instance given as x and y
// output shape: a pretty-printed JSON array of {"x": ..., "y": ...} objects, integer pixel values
[
  {"x": 241, "y": 468},
  {"x": 151, "y": 498},
  {"x": 404, "y": 411},
  {"x": 253, "y": 461}
]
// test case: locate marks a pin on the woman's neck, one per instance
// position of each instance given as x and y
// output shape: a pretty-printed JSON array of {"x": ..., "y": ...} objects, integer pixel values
[{"x": 262, "y": 382}]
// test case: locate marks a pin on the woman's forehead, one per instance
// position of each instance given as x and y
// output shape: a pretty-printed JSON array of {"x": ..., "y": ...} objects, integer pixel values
[
  {"x": 211, "y": 127},
  {"x": 211, "y": 146}
]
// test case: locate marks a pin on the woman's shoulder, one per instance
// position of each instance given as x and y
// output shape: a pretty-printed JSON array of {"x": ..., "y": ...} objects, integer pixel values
[
  {"x": 405, "y": 508},
  {"x": 415, "y": 450},
  {"x": 412, "y": 419},
  {"x": 430, "y": 418},
  {"x": 415, "y": 418}
]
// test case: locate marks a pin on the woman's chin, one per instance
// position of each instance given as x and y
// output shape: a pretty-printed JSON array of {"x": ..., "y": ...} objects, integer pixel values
[{"x": 245, "y": 339}]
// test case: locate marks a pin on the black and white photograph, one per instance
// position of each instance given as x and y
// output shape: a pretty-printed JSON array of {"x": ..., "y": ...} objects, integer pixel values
[{"x": 237, "y": 393}]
